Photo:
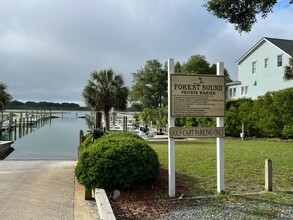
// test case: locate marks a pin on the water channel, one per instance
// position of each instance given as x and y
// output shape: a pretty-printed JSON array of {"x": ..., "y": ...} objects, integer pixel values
[{"x": 56, "y": 138}]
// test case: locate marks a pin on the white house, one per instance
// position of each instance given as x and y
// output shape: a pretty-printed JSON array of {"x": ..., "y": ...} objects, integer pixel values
[{"x": 261, "y": 69}]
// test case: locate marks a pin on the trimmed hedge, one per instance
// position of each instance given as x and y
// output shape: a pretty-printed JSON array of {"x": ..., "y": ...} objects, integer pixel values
[
  {"x": 117, "y": 161},
  {"x": 118, "y": 135},
  {"x": 86, "y": 143},
  {"x": 270, "y": 115}
]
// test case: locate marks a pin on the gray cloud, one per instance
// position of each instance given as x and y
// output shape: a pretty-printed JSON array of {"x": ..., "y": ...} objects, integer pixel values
[{"x": 49, "y": 48}]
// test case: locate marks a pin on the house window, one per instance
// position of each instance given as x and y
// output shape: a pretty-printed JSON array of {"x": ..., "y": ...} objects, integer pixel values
[
  {"x": 266, "y": 61},
  {"x": 232, "y": 92},
  {"x": 253, "y": 70},
  {"x": 244, "y": 90},
  {"x": 279, "y": 60}
]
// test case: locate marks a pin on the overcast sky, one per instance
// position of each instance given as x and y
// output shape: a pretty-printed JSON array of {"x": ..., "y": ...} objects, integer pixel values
[{"x": 48, "y": 48}]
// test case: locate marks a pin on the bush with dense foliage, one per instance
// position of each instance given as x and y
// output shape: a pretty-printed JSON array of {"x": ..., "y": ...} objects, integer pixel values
[
  {"x": 118, "y": 135},
  {"x": 270, "y": 115},
  {"x": 117, "y": 161},
  {"x": 86, "y": 143}
]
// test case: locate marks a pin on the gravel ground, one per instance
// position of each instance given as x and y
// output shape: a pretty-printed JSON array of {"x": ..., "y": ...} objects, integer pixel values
[{"x": 230, "y": 211}]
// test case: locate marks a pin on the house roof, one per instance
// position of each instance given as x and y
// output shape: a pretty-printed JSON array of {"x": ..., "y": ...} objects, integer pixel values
[
  {"x": 233, "y": 83},
  {"x": 283, "y": 44}
]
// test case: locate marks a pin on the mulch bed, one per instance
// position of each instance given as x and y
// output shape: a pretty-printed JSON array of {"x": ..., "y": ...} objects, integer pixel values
[{"x": 147, "y": 203}]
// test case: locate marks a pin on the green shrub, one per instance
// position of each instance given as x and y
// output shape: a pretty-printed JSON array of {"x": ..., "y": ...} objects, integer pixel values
[
  {"x": 86, "y": 143},
  {"x": 117, "y": 135},
  {"x": 287, "y": 131},
  {"x": 117, "y": 162},
  {"x": 232, "y": 122}
]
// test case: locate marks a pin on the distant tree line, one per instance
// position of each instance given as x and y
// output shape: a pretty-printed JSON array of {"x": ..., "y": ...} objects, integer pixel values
[{"x": 30, "y": 105}]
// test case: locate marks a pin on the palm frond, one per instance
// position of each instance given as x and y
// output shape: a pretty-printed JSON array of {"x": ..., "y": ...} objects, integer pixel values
[
  {"x": 105, "y": 90},
  {"x": 288, "y": 71}
]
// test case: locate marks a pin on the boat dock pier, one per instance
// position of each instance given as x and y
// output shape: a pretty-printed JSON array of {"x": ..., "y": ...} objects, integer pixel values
[
  {"x": 15, "y": 125},
  {"x": 23, "y": 119},
  {"x": 5, "y": 149}
]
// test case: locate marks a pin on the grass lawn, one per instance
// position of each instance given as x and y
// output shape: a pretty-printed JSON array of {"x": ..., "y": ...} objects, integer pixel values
[{"x": 244, "y": 166}]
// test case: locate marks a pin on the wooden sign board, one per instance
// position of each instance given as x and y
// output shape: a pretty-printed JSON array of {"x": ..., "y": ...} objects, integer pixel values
[
  {"x": 196, "y": 132},
  {"x": 197, "y": 96}
]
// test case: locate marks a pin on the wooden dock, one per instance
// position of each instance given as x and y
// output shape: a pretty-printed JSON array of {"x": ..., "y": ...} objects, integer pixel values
[
  {"x": 23, "y": 119},
  {"x": 5, "y": 149},
  {"x": 21, "y": 123}
]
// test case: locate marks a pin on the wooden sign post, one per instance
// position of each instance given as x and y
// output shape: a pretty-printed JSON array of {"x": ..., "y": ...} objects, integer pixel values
[
  {"x": 171, "y": 141},
  {"x": 220, "y": 141},
  {"x": 196, "y": 96}
]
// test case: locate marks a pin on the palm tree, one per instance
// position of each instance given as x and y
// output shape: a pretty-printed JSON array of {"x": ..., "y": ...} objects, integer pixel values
[
  {"x": 105, "y": 90},
  {"x": 5, "y": 97},
  {"x": 288, "y": 73}
]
